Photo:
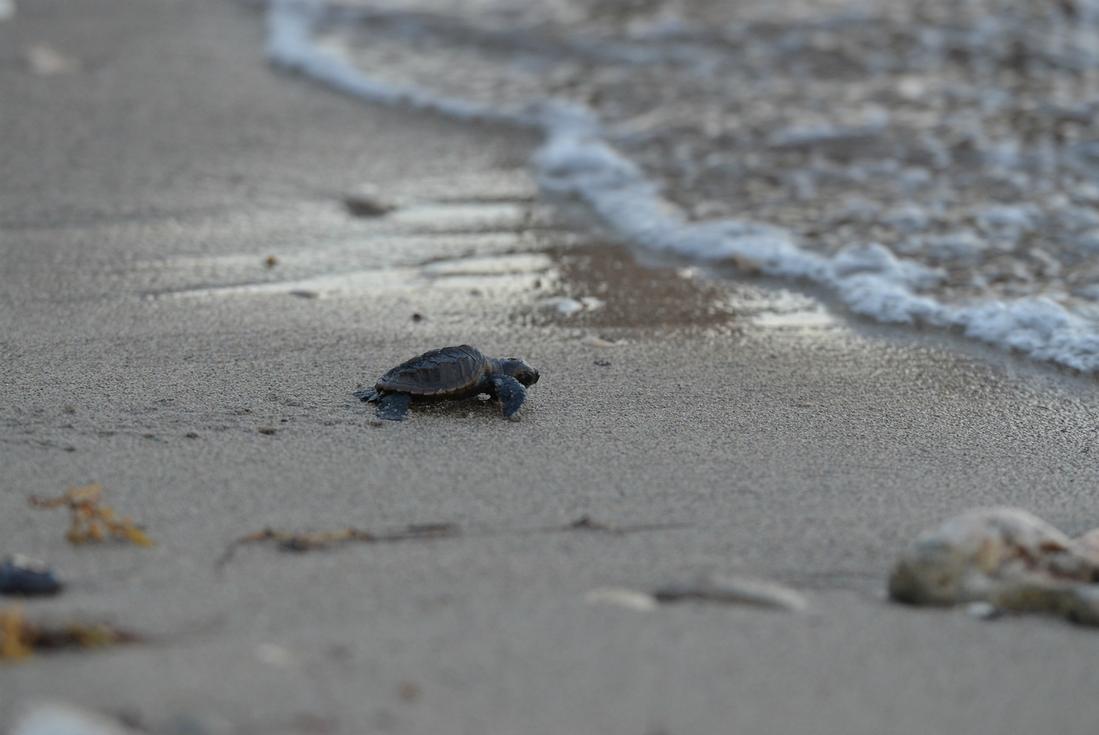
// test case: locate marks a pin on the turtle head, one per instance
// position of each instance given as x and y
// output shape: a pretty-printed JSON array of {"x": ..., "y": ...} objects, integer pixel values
[{"x": 518, "y": 369}]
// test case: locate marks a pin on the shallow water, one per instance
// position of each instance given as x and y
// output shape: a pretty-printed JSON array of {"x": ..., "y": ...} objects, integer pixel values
[{"x": 930, "y": 162}]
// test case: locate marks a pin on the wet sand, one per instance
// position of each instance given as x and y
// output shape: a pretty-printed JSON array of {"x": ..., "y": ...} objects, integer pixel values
[{"x": 145, "y": 343}]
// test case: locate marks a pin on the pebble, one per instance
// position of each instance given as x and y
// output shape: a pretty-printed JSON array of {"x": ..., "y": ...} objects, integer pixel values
[
  {"x": 50, "y": 718},
  {"x": 621, "y": 597},
  {"x": 275, "y": 655},
  {"x": 734, "y": 591},
  {"x": 45, "y": 60},
  {"x": 983, "y": 611},
  {"x": 22, "y": 576},
  {"x": 360, "y": 205}
]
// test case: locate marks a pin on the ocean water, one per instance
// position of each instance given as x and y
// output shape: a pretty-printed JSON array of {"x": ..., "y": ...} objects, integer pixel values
[{"x": 929, "y": 162}]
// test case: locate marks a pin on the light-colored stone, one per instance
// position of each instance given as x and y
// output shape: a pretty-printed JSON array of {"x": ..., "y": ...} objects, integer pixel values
[
  {"x": 1005, "y": 557},
  {"x": 621, "y": 597},
  {"x": 734, "y": 591},
  {"x": 54, "y": 718}
]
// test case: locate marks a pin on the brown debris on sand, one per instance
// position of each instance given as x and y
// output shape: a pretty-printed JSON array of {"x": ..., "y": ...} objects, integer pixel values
[
  {"x": 20, "y": 639},
  {"x": 314, "y": 540},
  {"x": 91, "y": 521},
  {"x": 1005, "y": 557}
]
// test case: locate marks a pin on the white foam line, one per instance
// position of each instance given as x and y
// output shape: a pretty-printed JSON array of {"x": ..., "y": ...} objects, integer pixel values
[
  {"x": 290, "y": 44},
  {"x": 577, "y": 160}
]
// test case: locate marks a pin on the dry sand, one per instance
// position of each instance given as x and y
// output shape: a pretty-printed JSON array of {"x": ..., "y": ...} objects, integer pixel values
[{"x": 143, "y": 187}]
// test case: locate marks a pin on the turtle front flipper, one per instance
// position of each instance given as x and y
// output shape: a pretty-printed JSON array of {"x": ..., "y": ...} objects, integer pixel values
[
  {"x": 367, "y": 395},
  {"x": 510, "y": 393},
  {"x": 394, "y": 406}
]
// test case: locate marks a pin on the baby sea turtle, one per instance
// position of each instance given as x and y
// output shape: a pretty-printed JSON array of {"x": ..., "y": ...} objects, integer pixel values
[{"x": 448, "y": 374}]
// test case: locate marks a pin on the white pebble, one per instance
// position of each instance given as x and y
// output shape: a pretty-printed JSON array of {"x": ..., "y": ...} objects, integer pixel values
[{"x": 621, "y": 597}]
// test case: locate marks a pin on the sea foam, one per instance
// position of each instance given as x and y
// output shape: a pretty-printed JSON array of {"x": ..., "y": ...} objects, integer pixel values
[{"x": 578, "y": 159}]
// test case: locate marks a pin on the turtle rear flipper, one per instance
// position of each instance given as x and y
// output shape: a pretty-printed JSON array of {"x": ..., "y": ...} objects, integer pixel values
[
  {"x": 394, "y": 406},
  {"x": 510, "y": 393}
]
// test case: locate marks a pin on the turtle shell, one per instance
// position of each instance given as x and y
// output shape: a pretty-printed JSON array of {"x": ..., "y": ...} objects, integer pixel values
[{"x": 451, "y": 372}]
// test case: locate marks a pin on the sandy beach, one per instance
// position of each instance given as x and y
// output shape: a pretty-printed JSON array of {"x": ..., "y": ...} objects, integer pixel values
[{"x": 147, "y": 344}]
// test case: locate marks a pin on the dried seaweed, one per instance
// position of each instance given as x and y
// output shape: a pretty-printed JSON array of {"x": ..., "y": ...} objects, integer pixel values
[
  {"x": 314, "y": 540},
  {"x": 93, "y": 522},
  {"x": 20, "y": 639}
]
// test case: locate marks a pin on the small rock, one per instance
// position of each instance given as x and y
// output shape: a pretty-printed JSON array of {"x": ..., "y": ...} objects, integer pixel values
[
  {"x": 567, "y": 306},
  {"x": 268, "y": 430},
  {"x": 47, "y": 61},
  {"x": 621, "y": 597},
  {"x": 983, "y": 611},
  {"x": 63, "y": 719},
  {"x": 22, "y": 576},
  {"x": 273, "y": 654},
  {"x": 562, "y": 305},
  {"x": 602, "y": 363},
  {"x": 591, "y": 303},
  {"x": 360, "y": 205},
  {"x": 302, "y": 293},
  {"x": 270, "y": 261},
  {"x": 191, "y": 435},
  {"x": 417, "y": 317},
  {"x": 734, "y": 591}
]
